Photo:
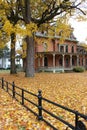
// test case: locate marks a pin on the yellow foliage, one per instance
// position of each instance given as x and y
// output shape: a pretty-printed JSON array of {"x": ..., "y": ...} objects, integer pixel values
[
  {"x": 31, "y": 28},
  {"x": 61, "y": 28},
  {"x": 39, "y": 40},
  {"x": 24, "y": 55},
  {"x": 81, "y": 18},
  {"x": 2, "y": 44},
  {"x": 59, "y": 2},
  {"x": 0, "y": 33},
  {"x": 8, "y": 28},
  {"x": 1, "y": 1},
  {"x": 20, "y": 30},
  {"x": 2, "y": 13},
  {"x": 24, "y": 46},
  {"x": 64, "y": 30},
  {"x": 19, "y": 51}
]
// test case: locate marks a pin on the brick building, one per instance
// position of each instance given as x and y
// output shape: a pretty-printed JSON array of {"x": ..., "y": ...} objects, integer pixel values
[{"x": 57, "y": 57}]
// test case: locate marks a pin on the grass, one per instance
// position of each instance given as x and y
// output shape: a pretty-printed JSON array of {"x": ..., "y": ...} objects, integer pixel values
[{"x": 4, "y": 71}]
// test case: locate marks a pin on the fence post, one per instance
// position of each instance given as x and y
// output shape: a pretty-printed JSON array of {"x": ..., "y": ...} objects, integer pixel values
[
  {"x": 6, "y": 86},
  {"x": 2, "y": 83},
  {"x": 22, "y": 96},
  {"x": 13, "y": 89},
  {"x": 79, "y": 125},
  {"x": 40, "y": 105},
  {"x": 76, "y": 120}
]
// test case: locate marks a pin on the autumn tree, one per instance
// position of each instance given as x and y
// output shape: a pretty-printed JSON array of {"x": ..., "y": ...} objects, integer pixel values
[
  {"x": 13, "y": 15},
  {"x": 9, "y": 18},
  {"x": 47, "y": 12},
  {"x": 42, "y": 13}
]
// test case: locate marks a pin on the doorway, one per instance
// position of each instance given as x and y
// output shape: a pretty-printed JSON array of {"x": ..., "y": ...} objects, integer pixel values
[{"x": 45, "y": 61}]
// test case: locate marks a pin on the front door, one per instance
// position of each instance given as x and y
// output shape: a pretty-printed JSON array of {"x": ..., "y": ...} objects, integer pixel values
[{"x": 45, "y": 62}]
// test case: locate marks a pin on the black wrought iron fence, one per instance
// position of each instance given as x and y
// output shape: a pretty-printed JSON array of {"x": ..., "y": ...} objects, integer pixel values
[{"x": 16, "y": 92}]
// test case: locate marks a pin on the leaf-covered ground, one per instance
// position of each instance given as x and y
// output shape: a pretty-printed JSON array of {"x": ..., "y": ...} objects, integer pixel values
[{"x": 68, "y": 89}]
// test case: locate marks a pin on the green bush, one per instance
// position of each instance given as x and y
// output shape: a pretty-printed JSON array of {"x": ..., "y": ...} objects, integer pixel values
[{"x": 78, "y": 69}]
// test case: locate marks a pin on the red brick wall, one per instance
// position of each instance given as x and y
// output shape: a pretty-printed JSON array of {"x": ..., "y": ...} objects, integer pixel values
[{"x": 40, "y": 46}]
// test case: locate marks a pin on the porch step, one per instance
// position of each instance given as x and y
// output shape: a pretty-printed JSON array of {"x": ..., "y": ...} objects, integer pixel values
[{"x": 56, "y": 70}]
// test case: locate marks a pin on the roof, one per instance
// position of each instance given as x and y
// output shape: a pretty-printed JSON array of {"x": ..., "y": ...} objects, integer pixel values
[{"x": 44, "y": 35}]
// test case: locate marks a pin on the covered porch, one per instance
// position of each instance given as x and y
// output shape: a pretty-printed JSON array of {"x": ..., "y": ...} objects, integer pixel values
[{"x": 57, "y": 62}]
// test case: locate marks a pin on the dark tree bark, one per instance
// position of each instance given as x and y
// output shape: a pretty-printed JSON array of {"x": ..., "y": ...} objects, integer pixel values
[
  {"x": 30, "y": 68},
  {"x": 12, "y": 55}
]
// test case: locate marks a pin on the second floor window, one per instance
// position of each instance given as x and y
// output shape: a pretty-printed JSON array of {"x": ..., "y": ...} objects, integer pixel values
[
  {"x": 72, "y": 49},
  {"x": 45, "y": 46},
  {"x": 66, "y": 48},
  {"x": 61, "y": 48}
]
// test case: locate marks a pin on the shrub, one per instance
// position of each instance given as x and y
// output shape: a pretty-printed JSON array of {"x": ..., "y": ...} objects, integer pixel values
[{"x": 78, "y": 69}]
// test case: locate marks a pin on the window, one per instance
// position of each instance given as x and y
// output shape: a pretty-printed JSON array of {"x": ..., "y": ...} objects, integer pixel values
[
  {"x": 45, "y": 62},
  {"x": 45, "y": 46},
  {"x": 73, "y": 62},
  {"x": 60, "y": 61},
  {"x": 66, "y": 48},
  {"x": 67, "y": 62},
  {"x": 72, "y": 49},
  {"x": 61, "y": 48}
]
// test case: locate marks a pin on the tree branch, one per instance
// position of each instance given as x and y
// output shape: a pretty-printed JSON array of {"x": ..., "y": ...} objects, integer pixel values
[
  {"x": 54, "y": 10},
  {"x": 81, "y": 11}
]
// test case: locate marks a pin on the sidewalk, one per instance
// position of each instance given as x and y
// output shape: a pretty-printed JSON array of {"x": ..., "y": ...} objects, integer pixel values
[{"x": 13, "y": 116}]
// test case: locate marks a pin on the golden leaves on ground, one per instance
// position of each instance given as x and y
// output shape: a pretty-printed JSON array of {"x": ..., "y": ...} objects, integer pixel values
[
  {"x": 68, "y": 89},
  {"x": 13, "y": 116}
]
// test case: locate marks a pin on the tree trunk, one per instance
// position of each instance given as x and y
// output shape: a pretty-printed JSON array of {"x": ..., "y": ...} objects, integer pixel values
[
  {"x": 12, "y": 55},
  {"x": 30, "y": 68}
]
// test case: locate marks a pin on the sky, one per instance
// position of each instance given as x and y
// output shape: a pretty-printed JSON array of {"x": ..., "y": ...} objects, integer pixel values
[{"x": 80, "y": 30}]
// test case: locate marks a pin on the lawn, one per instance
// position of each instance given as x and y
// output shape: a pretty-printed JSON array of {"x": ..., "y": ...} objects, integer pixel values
[
  {"x": 68, "y": 89},
  {"x": 4, "y": 71}
]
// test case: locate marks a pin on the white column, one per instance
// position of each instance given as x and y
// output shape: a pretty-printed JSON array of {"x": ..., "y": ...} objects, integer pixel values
[{"x": 43, "y": 61}]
